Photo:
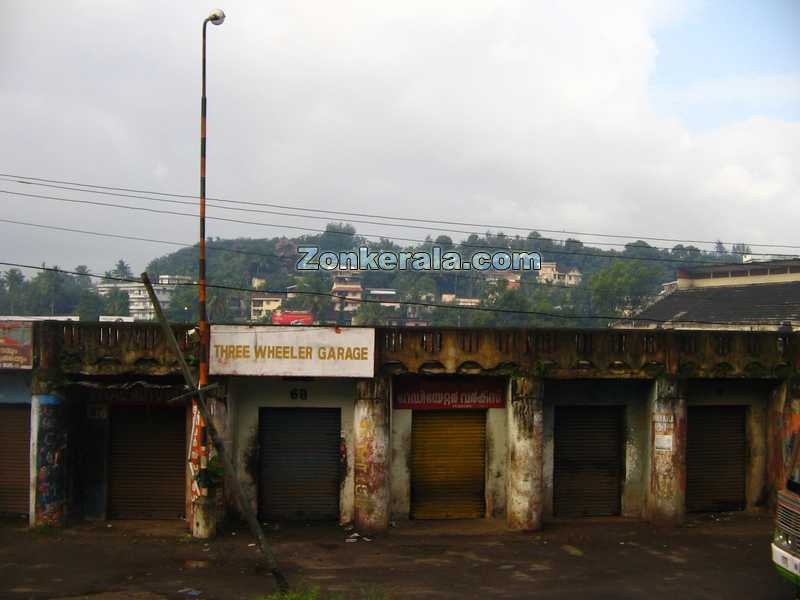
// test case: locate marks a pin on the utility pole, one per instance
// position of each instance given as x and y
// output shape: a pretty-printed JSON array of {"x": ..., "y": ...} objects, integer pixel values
[{"x": 199, "y": 391}]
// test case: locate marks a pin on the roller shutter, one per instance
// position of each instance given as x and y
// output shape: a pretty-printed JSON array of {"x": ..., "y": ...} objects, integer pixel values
[
  {"x": 300, "y": 463},
  {"x": 448, "y": 464},
  {"x": 588, "y": 462},
  {"x": 148, "y": 463},
  {"x": 715, "y": 458},
  {"x": 15, "y": 426}
]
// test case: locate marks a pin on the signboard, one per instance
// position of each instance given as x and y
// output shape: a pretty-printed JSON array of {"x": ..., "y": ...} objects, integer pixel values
[
  {"x": 663, "y": 428},
  {"x": 16, "y": 345},
  {"x": 292, "y": 351},
  {"x": 449, "y": 393}
]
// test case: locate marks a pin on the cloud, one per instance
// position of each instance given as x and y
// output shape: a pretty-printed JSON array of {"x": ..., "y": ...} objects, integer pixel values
[{"x": 516, "y": 113}]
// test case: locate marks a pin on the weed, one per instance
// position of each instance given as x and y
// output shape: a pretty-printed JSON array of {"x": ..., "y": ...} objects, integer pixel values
[{"x": 315, "y": 594}]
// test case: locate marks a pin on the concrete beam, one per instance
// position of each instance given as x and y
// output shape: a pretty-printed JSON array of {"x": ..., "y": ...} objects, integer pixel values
[
  {"x": 372, "y": 454},
  {"x": 524, "y": 485}
]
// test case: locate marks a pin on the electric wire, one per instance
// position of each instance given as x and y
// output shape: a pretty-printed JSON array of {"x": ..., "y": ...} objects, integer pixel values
[
  {"x": 355, "y": 235},
  {"x": 327, "y": 218},
  {"x": 396, "y": 218}
]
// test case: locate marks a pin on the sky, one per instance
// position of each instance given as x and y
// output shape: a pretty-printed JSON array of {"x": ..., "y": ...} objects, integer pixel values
[{"x": 677, "y": 119}]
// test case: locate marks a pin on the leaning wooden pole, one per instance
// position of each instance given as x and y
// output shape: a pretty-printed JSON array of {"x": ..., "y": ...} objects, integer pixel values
[{"x": 242, "y": 497}]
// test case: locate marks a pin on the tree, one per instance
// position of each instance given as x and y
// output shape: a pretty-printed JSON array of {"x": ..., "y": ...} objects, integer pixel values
[
  {"x": 15, "y": 285},
  {"x": 122, "y": 270},
  {"x": 740, "y": 249},
  {"x": 624, "y": 286},
  {"x": 116, "y": 303},
  {"x": 90, "y": 305},
  {"x": 83, "y": 279}
]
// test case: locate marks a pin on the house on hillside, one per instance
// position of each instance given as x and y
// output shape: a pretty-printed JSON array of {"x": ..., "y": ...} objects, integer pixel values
[{"x": 550, "y": 272}]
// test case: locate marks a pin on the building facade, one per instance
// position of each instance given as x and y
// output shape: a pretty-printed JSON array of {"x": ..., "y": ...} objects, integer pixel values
[
  {"x": 365, "y": 426},
  {"x": 139, "y": 305}
]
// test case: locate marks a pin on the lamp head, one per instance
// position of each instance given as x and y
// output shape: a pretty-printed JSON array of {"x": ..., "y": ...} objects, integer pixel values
[{"x": 216, "y": 16}]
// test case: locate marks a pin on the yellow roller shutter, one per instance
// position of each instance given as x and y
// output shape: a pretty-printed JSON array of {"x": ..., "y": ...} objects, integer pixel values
[{"x": 448, "y": 464}]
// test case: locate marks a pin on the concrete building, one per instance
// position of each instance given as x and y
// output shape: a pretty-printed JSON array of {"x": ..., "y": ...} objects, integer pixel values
[
  {"x": 139, "y": 306},
  {"x": 459, "y": 301},
  {"x": 365, "y": 426},
  {"x": 750, "y": 296},
  {"x": 262, "y": 305},
  {"x": 512, "y": 278},
  {"x": 387, "y": 297},
  {"x": 550, "y": 272},
  {"x": 348, "y": 289}
]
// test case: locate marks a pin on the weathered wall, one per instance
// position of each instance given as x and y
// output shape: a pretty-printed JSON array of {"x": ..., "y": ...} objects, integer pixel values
[
  {"x": 246, "y": 395},
  {"x": 496, "y": 460},
  {"x": 666, "y": 462},
  {"x": 755, "y": 395},
  {"x": 400, "y": 479},
  {"x": 630, "y": 394},
  {"x": 49, "y": 468},
  {"x": 524, "y": 498},
  {"x": 783, "y": 425},
  {"x": 372, "y": 455}
]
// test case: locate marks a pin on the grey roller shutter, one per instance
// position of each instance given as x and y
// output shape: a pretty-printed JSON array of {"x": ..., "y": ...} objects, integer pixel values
[
  {"x": 148, "y": 462},
  {"x": 588, "y": 461},
  {"x": 299, "y": 471},
  {"x": 716, "y": 448}
]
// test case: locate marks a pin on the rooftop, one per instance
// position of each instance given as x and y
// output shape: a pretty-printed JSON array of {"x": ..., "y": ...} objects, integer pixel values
[{"x": 745, "y": 305}]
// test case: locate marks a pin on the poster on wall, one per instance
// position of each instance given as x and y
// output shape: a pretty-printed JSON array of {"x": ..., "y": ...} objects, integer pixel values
[
  {"x": 16, "y": 345},
  {"x": 449, "y": 393},
  {"x": 292, "y": 351}
]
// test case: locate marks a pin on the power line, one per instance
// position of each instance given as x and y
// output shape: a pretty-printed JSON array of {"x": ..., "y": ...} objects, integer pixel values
[
  {"x": 307, "y": 216},
  {"x": 354, "y": 235},
  {"x": 471, "y": 276},
  {"x": 396, "y": 218},
  {"x": 401, "y": 302}
]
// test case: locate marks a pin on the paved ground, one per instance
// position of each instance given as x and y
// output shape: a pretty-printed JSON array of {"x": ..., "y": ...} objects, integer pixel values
[{"x": 714, "y": 557}]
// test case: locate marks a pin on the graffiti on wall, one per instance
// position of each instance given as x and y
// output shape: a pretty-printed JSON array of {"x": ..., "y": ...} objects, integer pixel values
[{"x": 51, "y": 447}]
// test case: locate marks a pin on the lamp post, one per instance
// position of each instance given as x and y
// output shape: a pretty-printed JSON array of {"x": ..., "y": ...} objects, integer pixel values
[{"x": 216, "y": 17}]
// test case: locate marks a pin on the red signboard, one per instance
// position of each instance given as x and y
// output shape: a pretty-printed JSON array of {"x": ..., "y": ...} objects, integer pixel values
[
  {"x": 449, "y": 393},
  {"x": 292, "y": 317},
  {"x": 16, "y": 345}
]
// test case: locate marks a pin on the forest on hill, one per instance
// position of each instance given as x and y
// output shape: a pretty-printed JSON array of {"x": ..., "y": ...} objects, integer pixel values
[{"x": 614, "y": 280}]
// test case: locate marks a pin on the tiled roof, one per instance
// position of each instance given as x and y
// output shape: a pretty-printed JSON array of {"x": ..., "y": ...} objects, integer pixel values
[{"x": 773, "y": 303}]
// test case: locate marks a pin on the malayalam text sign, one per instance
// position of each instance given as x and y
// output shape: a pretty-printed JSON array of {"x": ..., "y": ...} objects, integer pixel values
[
  {"x": 16, "y": 345},
  {"x": 292, "y": 351},
  {"x": 442, "y": 394}
]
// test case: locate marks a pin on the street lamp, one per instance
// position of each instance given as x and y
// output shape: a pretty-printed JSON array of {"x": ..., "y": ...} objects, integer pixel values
[{"x": 216, "y": 17}]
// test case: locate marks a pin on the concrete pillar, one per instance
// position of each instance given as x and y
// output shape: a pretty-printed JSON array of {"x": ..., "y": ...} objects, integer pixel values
[
  {"x": 48, "y": 493},
  {"x": 524, "y": 485},
  {"x": 666, "y": 497},
  {"x": 371, "y": 422}
]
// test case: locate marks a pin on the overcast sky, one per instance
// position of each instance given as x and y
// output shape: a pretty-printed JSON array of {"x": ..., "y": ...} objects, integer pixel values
[{"x": 676, "y": 119}]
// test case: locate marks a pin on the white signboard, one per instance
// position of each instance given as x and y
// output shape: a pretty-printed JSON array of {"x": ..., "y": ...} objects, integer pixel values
[
  {"x": 664, "y": 442},
  {"x": 292, "y": 351}
]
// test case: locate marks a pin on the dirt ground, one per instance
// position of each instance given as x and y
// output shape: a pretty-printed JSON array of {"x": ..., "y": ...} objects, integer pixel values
[{"x": 714, "y": 557}]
